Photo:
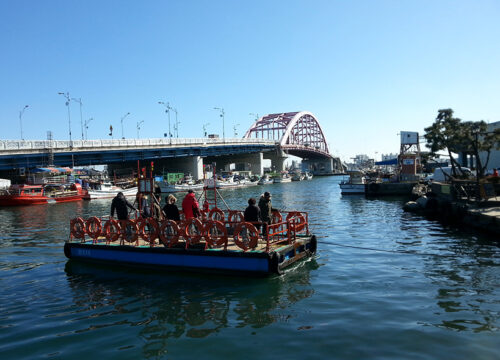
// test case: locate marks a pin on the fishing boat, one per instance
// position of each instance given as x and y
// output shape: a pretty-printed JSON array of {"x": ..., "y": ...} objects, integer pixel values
[
  {"x": 354, "y": 185},
  {"x": 308, "y": 176},
  {"x": 219, "y": 241},
  {"x": 107, "y": 190},
  {"x": 22, "y": 194},
  {"x": 298, "y": 176},
  {"x": 283, "y": 178},
  {"x": 265, "y": 180}
]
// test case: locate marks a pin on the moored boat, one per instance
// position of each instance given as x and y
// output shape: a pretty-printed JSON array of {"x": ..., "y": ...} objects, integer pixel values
[
  {"x": 355, "y": 185},
  {"x": 22, "y": 194},
  {"x": 107, "y": 190},
  {"x": 265, "y": 180}
]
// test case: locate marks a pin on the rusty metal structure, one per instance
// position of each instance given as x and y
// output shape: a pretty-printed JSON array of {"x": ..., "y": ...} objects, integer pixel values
[{"x": 297, "y": 133}]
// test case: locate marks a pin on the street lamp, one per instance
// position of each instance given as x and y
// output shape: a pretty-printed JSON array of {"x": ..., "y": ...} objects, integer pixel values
[
  {"x": 205, "y": 129},
  {"x": 176, "y": 126},
  {"x": 87, "y": 126},
  {"x": 222, "y": 113},
  {"x": 68, "y": 100},
  {"x": 81, "y": 117},
  {"x": 21, "y": 119},
  {"x": 256, "y": 116},
  {"x": 167, "y": 111},
  {"x": 235, "y": 130},
  {"x": 139, "y": 127},
  {"x": 121, "y": 121}
]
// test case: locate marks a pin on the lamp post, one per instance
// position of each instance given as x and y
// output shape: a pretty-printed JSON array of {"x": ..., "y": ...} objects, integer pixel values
[
  {"x": 205, "y": 129},
  {"x": 222, "y": 113},
  {"x": 256, "y": 116},
  {"x": 167, "y": 111},
  {"x": 79, "y": 100},
  {"x": 121, "y": 121},
  {"x": 176, "y": 124},
  {"x": 235, "y": 130},
  {"x": 21, "y": 119},
  {"x": 139, "y": 127},
  {"x": 68, "y": 100},
  {"x": 87, "y": 126}
]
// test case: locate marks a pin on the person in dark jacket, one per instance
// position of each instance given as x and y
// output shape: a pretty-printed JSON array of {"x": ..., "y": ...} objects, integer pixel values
[
  {"x": 120, "y": 204},
  {"x": 266, "y": 211},
  {"x": 190, "y": 206},
  {"x": 170, "y": 210},
  {"x": 252, "y": 212}
]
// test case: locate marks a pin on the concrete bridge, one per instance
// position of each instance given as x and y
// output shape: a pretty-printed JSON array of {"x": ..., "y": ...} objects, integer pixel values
[{"x": 271, "y": 137}]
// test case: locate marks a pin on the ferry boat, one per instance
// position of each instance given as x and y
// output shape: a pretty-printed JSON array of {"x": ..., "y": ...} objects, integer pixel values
[
  {"x": 22, "y": 194},
  {"x": 355, "y": 185},
  {"x": 107, "y": 190},
  {"x": 219, "y": 241}
]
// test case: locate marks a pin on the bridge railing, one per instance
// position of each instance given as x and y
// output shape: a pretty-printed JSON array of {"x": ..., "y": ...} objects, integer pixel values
[{"x": 13, "y": 145}]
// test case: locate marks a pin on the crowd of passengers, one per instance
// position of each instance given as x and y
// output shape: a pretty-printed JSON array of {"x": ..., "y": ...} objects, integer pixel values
[{"x": 256, "y": 214}]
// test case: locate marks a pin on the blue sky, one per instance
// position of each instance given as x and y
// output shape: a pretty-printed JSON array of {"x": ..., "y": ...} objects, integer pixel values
[{"x": 366, "y": 69}]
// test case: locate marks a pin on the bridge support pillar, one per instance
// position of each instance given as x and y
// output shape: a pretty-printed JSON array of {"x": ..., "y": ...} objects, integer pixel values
[
  {"x": 278, "y": 162},
  {"x": 322, "y": 166},
  {"x": 195, "y": 166}
]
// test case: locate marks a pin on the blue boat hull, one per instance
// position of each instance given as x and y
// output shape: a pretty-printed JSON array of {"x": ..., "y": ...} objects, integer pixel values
[{"x": 197, "y": 259}]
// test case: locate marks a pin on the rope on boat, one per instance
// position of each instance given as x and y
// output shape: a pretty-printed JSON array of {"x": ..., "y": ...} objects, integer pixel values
[{"x": 405, "y": 252}]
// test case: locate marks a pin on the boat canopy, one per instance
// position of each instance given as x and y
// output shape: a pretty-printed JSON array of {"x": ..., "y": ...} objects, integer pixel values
[
  {"x": 52, "y": 170},
  {"x": 387, "y": 162}
]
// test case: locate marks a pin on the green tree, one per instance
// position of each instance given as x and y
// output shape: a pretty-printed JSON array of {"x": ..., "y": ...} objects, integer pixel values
[{"x": 450, "y": 134}]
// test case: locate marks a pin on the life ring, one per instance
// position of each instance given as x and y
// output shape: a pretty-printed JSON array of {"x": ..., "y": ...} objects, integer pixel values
[
  {"x": 213, "y": 217},
  {"x": 251, "y": 236},
  {"x": 235, "y": 216},
  {"x": 190, "y": 236},
  {"x": 93, "y": 227},
  {"x": 217, "y": 237},
  {"x": 77, "y": 227},
  {"x": 276, "y": 217},
  {"x": 152, "y": 233},
  {"x": 133, "y": 231},
  {"x": 302, "y": 220},
  {"x": 111, "y": 230},
  {"x": 169, "y": 238}
]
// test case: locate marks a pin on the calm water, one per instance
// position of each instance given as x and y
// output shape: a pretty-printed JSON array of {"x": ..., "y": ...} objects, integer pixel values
[{"x": 384, "y": 285}]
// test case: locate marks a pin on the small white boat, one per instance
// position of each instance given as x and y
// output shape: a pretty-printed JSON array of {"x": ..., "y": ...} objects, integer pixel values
[
  {"x": 265, "y": 180},
  {"x": 355, "y": 185},
  {"x": 308, "y": 176},
  {"x": 298, "y": 176},
  {"x": 165, "y": 187},
  {"x": 284, "y": 178},
  {"x": 107, "y": 190}
]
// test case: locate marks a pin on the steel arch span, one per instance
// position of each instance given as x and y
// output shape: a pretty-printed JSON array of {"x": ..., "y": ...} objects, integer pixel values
[{"x": 298, "y": 133}]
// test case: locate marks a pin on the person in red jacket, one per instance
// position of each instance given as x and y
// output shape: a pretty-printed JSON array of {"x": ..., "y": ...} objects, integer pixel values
[{"x": 190, "y": 206}]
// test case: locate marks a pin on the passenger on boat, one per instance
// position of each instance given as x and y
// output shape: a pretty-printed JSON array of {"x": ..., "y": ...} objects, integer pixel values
[
  {"x": 143, "y": 205},
  {"x": 120, "y": 204},
  {"x": 170, "y": 210},
  {"x": 190, "y": 206},
  {"x": 266, "y": 210},
  {"x": 252, "y": 213}
]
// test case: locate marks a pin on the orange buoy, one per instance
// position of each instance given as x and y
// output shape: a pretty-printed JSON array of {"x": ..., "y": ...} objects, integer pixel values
[
  {"x": 276, "y": 217},
  {"x": 77, "y": 228},
  {"x": 235, "y": 216},
  {"x": 93, "y": 227},
  {"x": 246, "y": 236},
  {"x": 192, "y": 230},
  {"x": 153, "y": 232},
  {"x": 111, "y": 230},
  {"x": 169, "y": 233},
  {"x": 298, "y": 215},
  {"x": 216, "y": 214},
  {"x": 129, "y": 230},
  {"x": 215, "y": 233}
]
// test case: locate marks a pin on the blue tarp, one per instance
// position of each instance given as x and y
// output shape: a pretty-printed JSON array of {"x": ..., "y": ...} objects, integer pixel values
[{"x": 387, "y": 162}]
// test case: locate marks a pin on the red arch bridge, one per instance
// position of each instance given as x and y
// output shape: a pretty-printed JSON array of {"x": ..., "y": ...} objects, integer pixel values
[{"x": 273, "y": 136}]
